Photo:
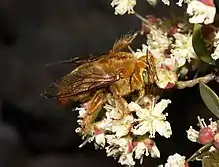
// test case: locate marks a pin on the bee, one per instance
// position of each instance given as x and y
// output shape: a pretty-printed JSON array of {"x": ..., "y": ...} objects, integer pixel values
[{"x": 117, "y": 73}]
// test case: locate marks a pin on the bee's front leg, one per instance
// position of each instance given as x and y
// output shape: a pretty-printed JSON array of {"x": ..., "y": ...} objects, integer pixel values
[
  {"x": 118, "y": 91},
  {"x": 93, "y": 107},
  {"x": 193, "y": 82},
  {"x": 122, "y": 106},
  {"x": 137, "y": 82}
]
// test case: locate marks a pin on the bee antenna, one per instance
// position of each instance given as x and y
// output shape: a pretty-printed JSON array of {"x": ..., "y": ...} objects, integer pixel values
[{"x": 142, "y": 19}]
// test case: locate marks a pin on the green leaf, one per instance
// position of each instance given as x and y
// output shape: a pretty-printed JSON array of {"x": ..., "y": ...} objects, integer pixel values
[
  {"x": 200, "y": 153},
  {"x": 199, "y": 45},
  {"x": 206, "y": 162},
  {"x": 212, "y": 160},
  {"x": 210, "y": 99}
]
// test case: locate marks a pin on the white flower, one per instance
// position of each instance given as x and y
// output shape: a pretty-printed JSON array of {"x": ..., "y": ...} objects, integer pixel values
[
  {"x": 112, "y": 112},
  {"x": 82, "y": 112},
  {"x": 100, "y": 140},
  {"x": 122, "y": 127},
  {"x": 200, "y": 12},
  {"x": 120, "y": 147},
  {"x": 123, "y": 6},
  {"x": 166, "y": 78},
  {"x": 182, "y": 49},
  {"x": 152, "y": 120},
  {"x": 144, "y": 147},
  {"x": 213, "y": 125},
  {"x": 157, "y": 41},
  {"x": 179, "y": 3},
  {"x": 141, "y": 150},
  {"x": 127, "y": 159},
  {"x": 192, "y": 134},
  {"x": 122, "y": 144},
  {"x": 99, "y": 133},
  {"x": 155, "y": 153},
  {"x": 166, "y": 71},
  {"x": 175, "y": 160},
  {"x": 215, "y": 54},
  {"x": 139, "y": 53},
  {"x": 212, "y": 149},
  {"x": 152, "y": 2},
  {"x": 166, "y": 2}
]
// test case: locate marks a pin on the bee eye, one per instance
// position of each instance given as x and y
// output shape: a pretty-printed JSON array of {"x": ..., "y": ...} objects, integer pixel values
[{"x": 145, "y": 76}]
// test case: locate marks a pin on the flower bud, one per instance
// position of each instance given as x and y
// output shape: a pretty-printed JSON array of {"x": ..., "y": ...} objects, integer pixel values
[
  {"x": 216, "y": 140},
  {"x": 174, "y": 29},
  {"x": 186, "y": 164},
  {"x": 208, "y": 2},
  {"x": 206, "y": 135}
]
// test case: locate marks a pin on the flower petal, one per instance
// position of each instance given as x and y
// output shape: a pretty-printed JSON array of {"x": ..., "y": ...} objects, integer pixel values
[{"x": 160, "y": 107}]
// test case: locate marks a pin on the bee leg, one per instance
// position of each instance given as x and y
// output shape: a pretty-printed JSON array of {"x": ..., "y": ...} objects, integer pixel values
[
  {"x": 141, "y": 94},
  {"x": 93, "y": 107},
  {"x": 122, "y": 106},
  {"x": 120, "y": 102},
  {"x": 136, "y": 82},
  {"x": 193, "y": 82},
  {"x": 124, "y": 42}
]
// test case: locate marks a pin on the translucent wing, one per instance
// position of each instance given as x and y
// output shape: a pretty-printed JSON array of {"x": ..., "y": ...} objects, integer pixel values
[
  {"x": 77, "y": 60},
  {"x": 86, "y": 77}
]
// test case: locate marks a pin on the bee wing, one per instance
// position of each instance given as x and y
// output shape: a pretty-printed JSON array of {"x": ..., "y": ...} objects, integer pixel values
[
  {"x": 84, "y": 78},
  {"x": 77, "y": 60}
]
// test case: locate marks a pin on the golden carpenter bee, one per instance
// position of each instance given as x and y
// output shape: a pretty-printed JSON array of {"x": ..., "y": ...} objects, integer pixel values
[{"x": 117, "y": 73}]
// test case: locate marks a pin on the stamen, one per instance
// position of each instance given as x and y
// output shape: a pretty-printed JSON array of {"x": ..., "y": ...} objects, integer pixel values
[
  {"x": 77, "y": 130},
  {"x": 203, "y": 122},
  {"x": 200, "y": 122},
  {"x": 84, "y": 142}
]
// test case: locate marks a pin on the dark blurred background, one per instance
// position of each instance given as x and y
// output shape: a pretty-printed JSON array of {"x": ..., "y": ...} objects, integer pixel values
[{"x": 36, "y": 132}]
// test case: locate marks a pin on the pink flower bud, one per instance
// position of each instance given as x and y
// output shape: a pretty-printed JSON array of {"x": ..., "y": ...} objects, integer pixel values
[
  {"x": 97, "y": 130},
  {"x": 208, "y": 2},
  {"x": 186, "y": 164},
  {"x": 216, "y": 140},
  {"x": 152, "y": 19},
  {"x": 169, "y": 85},
  {"x": 131, "y": 146},
  {"x": 206, "y": 135},
  {"x": 149, "y": 143},
  {"x": 174, "y": 29}
]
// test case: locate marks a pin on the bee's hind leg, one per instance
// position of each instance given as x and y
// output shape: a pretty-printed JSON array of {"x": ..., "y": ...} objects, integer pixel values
[
  {"x": 93, "y": 107},
  {"x": 193, "y": 82},
  {"x": 124, "y": 42}
]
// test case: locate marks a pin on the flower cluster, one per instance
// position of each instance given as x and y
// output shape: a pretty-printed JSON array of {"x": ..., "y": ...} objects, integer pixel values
[
  {"x": 176, "y": 160},
  {"x": 172, "y": 48},
  {"x": 200, "y": 11},
  {"x": 131, "y": 136},
  {"x": 206, "y": 135}
]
